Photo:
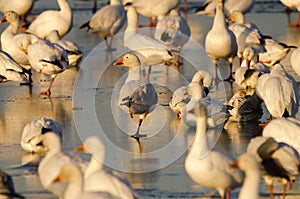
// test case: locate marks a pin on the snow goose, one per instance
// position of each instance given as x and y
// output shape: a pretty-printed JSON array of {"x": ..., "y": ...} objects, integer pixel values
[
  {"x": 220, "y": 42},
  {"x": 10, "y": 70},
  {"x": 107, "y": 21},
  {"x": 285, "y": 130},
  {"x": 31, "y": 141},
  {"x": 173, "y": 30},
  {"x": 7, "y": 189},
  {"x": 152, "y": 9},
  {"x": 47, "y": 58},
  {"x": 204, "y": 165},
  {"x": 247, "y": 163},
  {"x": 12, "y": 40},
  {"x": 136, "y": 96},
  {"x": 180, "y": 96},
  {"x": 149, "y": 50},
  {"x": 96, "y": 178},
  {"x": 52, "y": 163},
  {"x": 279, "y": 91},
  {"x": 291, "y": 4},
  {"x": 48, "y": 20},
  {"x": 74, "y": 53},
  {"x": 72, "y": 175},
  {"x": 277, "y": 160}
]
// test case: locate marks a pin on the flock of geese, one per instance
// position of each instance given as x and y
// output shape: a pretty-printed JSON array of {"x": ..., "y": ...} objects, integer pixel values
[{"x": 264, "y": 88}]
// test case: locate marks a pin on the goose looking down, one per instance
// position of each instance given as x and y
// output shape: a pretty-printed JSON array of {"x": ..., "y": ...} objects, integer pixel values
[
  {"x": 180, "y": 96},
  {"x": 247, "y": 163},
  {"x": 47, "y": 58},
  {"x": 137, "y": 96},
  {"x": 174, "y": 31},
  {"x": 7, "y": 189},
  {"x": 204, "y": 165},
  {"x": 277, "y": 160},
  {"x": 72, "y": 175},
  {"x": 31, "y": 141},
  {"x": 10, "y": 70},
  {"x": 107, "y": 21},
  {"x": 96, "y": 178},
  {"x": 279, "y": 91},
  {"x": 285, "y": 130},
  {"x": 48, "y": 20},
  {"x": 12, "y": 40},
  {"x": 149, "y": 50},
  {"x": 220, "y": 42},
  {"x": 74, "y": 53}
]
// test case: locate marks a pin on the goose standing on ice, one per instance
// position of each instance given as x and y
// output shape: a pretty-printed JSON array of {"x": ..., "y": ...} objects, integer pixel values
[
  {"x": 204, "y": 165},
  {"x": 96, "y": 178},
  {"x": 48, "y": 20},
  {"x": 107, "y": 22},
  {"x": 220, "y": 42},
  {"x": 136, "y": 95}
]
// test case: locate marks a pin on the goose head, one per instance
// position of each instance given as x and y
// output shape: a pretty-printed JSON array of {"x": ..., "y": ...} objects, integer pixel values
[
  {"x": 10, "y": 17},
  {"x": 236, "y": 16},
  {"x": 129, "y": 59},
  {"x": 246, "y": 162},
  {"x": 195, "y": 90}
]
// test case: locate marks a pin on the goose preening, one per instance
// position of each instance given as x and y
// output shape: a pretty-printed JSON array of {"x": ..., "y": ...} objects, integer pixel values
[
  {"x": 54, "y": 160},
  {"x": 277, "y": 160},
  {"x": 220, "y": 42},
  {"x": 31, "y": 141},
  {"x": 107, "y": 22},
  {"x": 149, "y": 50},
  {"x": 174, "y": 31},
  {"x": 291, "y": 4},
  {"x": 204, "y": 165},
  {"x": 47, "y": 58},
  {"x": 152, "y": 9},
  {"x": 247, "y": 163},
  {"x": 7, "y": 189},
  {"x": 96, "y": 178},
  {"x": 285, "y": 130},
  {"x": 72, "y": 175},
  {"x": 48, "y": 20},
  {"x": 180, "y": 97},
  {"x": 137, "y": 96},
  {"x": 74, "y": 53},
  {"x": 10, "y": 70},
  {"x": 279, "y": 91}
]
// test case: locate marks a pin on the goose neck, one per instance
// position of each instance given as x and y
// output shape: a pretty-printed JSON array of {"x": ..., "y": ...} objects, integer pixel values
[{"x": 200, "y": 145}]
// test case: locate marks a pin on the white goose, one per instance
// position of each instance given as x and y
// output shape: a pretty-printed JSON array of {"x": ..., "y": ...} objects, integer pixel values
[
  {"x": 48, "y": 20},
  {"x": 74, "y": 53},
  {"x": 295, "y": 60},
  {"x": 96, "y": 178},
  {"x": 247, "y": 163},
  {"x": 277, "y": 160},
  {"x": 12, "y": 39},
  {"x": 136, "y": 95},
  {"x": 173, "y": 31},
  {"x": 285, "y": 130},
  {"x": 10, "y": 70},
  {"x": 149, "y": 50},
  {"x": 107, "y": 21},
  {"x": 279, "y": 91},
  {"x": 204, "y": 165},
  {"x": 220, "y": 42},
  {"x": 7, "y": 189},
  {"x": 47, "y": 58},
  {"x": 290, "y": 4},
  {"x": 152, "y": 9},
  {"x": 180, "y": 96},
  {"x": 72, "y": 175},
  {"x": 31, "y": 141}
]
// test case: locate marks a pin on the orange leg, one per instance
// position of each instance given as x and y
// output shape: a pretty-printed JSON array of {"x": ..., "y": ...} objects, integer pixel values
[{"x": 48, "y": 92}]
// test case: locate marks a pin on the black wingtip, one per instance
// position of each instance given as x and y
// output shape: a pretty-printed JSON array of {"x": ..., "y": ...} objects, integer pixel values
[{"x": 85, "y": 25}]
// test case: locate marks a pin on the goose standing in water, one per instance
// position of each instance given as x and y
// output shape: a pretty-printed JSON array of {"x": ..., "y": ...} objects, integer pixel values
[
  {"x": 220, "y": 42},
  {"x": 247, "y": 163},
  {"x": 49, "y": 20},
  {"x": 291, "y": 4},
  {"x": 107, "y": 22},
  {"x": 136, "y": 95},
  {"x": 96, "y": 178},
  {"x": 204, "y": 165}
]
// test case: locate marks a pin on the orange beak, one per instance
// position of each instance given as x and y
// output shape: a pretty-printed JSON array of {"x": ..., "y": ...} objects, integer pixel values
[
  {"x": 119, "y": 62},
  {"x": 3, "y": 20},
  {"x": 234, "y": 164},
  {"x": 80, "y": 148}
]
